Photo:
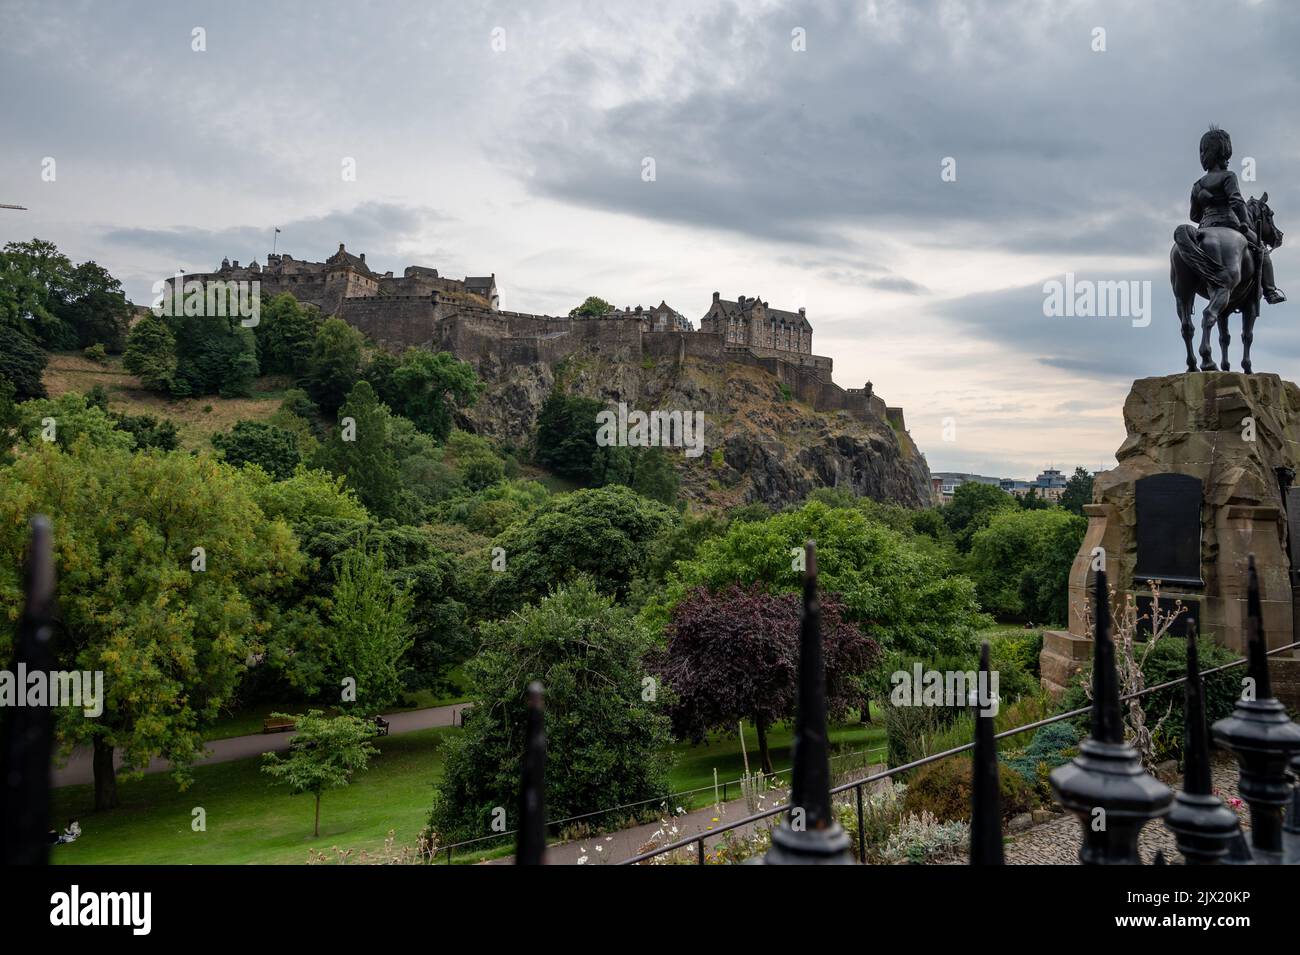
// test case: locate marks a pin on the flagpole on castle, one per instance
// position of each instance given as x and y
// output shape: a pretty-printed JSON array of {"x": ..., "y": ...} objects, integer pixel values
[{"x": 274, "y": 239}]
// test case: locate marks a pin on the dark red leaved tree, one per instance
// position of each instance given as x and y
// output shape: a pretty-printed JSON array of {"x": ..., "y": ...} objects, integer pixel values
[{"x": 734, "y": 655}]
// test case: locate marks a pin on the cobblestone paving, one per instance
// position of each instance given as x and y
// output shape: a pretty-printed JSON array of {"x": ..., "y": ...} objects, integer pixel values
[{"x": 1057, "y": 842}]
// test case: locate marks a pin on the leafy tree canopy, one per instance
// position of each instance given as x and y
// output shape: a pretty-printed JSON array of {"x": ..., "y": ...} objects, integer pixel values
[
  {"x": 593, "y": 306},
  {"x": 903, "y": 596},
  {"x": 586, "y": 651}
]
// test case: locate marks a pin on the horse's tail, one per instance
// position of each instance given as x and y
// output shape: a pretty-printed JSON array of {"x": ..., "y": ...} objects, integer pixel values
[{"x": 1200, "y": 261}]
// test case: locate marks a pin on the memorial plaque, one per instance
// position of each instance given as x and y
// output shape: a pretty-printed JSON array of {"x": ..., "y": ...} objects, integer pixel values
[
  {"x": 1293, "y": 525},
  {"x": 1169, "y": 530},
  {"x": 1191, "y": 612}
]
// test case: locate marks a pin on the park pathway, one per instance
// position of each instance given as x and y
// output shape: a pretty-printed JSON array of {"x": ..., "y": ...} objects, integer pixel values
[
  {"x": 612, "y": 847},
  {"x": 79, "y": 769}
]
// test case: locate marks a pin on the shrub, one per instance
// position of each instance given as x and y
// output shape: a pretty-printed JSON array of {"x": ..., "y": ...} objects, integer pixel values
[
  {"x": 1168, "y": 661},
  {"x": 922, "y": 837},
  {"x": 96, "y": 353},
  {"x": 944, "y": 789},
  {"x": 1052, "y": 746}
]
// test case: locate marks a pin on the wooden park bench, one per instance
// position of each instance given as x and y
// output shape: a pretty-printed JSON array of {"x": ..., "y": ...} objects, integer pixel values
[{"x": 277, "y": 724}]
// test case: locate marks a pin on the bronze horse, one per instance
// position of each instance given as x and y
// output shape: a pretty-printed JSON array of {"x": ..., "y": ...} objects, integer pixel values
[{"x": 1219, "y": 264}]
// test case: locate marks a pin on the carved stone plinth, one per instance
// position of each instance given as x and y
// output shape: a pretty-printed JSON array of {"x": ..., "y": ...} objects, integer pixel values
[{"x": 1231, "y": 432}]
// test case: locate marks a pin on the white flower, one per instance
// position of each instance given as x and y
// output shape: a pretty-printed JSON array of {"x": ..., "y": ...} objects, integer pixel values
[{"x": 582, "y": 860}]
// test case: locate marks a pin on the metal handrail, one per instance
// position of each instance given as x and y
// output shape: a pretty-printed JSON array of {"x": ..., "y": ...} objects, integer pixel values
[
  {"x": 924, "y": 761},
  {"x": 630, "y": 805}
]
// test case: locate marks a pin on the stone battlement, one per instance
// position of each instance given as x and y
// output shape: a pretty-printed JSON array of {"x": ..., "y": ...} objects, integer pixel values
[{"x": 462, "y": 316}]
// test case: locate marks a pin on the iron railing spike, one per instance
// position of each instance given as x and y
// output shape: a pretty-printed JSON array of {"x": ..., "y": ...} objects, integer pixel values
[
  {"x": 1261, "y": 736},
  {"x": 26, "y": 747},
  {"x": 530, "y": 842},
  {"x": 986, "y": 804},
  {"x": 810, "y": 833}
]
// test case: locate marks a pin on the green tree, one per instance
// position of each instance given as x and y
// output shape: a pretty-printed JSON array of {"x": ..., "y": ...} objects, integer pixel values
[
  {"x": 1021, "y": 563},
  {"x": 602, "y": 532},
  {"x": 429, "y": 385},
  {"x": 9, "y": 422},
  {"x": 335, "y": 363},
  {"x": 22, "y": 363},
  {"x": 170, "y": 627},
  {"x": 325, "y": 753},
  {"x": 359, "y": 451},
  {"x": 592, "y": 307},
  {"x": 34, "y": 281},
  {"x": 972, "y": 507},
  {"x": 286, "y": 335},
  {"x": 95, "y": 308},
  {"x": 370, "y": 629},
  {"x": 895, "y": 590},
  {"x": 215, "y": 354},
  {"x": 415, "y": 562},
  {"x": 611, "y": 744},
  {"x": 148, "y": 431},
  {"x": 307, "y": 495},
  {"x": 1078, "y": 491},
  {"x": 70, "y": 418},
  {"x": 1033, "y": 501},
  {"x": 274, "y": 449},
  {"x": 566, "y": 434},
  {"x": 151, "y": 353}
]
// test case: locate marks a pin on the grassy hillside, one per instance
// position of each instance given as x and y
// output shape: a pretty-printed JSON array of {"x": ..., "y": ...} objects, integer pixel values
[{"x": 196, "y": 418}]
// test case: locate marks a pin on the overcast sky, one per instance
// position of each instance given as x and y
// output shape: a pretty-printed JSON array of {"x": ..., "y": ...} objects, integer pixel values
[{"x": 798, "y": 153}]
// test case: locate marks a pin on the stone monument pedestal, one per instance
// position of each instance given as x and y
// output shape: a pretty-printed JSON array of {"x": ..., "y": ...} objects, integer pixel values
[{"x": 1202, "y": 482}]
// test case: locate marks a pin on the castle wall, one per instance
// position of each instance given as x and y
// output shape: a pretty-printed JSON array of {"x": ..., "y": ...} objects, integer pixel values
[
  {"x": 392, "y": 321},
  {"x": 410, "y": 311}
]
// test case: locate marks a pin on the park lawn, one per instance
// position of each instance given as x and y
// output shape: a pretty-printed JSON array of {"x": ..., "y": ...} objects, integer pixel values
[
  {"x": 251, "y": 820},
  {"x": 693, "y": 765},
  {"x": 247, "y": 720}
]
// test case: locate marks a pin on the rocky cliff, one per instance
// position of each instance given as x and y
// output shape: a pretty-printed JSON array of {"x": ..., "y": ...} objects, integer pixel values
[{"x": 761, "y": 444}]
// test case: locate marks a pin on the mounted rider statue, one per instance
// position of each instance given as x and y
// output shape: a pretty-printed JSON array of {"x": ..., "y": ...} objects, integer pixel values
[{"x": 1225, "y": 258}]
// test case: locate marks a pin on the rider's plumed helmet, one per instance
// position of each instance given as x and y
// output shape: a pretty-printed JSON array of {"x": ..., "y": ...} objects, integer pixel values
[{"x": 1216, "y": 147}]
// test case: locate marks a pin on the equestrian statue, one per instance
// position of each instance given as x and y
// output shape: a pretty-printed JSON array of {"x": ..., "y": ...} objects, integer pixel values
[{"x": 1223, "y": 258}]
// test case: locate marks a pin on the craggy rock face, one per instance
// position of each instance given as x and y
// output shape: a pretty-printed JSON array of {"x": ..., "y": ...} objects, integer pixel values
[{"x": 759, "y": 444}]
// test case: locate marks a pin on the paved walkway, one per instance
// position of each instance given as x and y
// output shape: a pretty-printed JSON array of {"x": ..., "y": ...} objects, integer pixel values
[
  {"x": 79, "y": 768},
  {"x": 613, "y": 847}
]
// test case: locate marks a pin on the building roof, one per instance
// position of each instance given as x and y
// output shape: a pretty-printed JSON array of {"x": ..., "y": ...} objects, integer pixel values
[
  {"x": 731, "y": 307},
  {"x": 344, "y": 257}
]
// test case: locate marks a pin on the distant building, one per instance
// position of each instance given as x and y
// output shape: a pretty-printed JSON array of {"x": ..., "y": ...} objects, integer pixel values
[
  {"x": 943, "y": 484},
  {"x": 752, "y": 322},
  {"x": 665, "y": 318}
]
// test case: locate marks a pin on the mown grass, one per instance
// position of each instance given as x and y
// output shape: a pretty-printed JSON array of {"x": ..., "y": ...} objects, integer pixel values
[{"x": 251, "y": 820}]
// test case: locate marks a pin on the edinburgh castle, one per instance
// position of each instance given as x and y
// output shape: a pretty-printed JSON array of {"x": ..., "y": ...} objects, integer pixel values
[{"x": 463, "y": 316}]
